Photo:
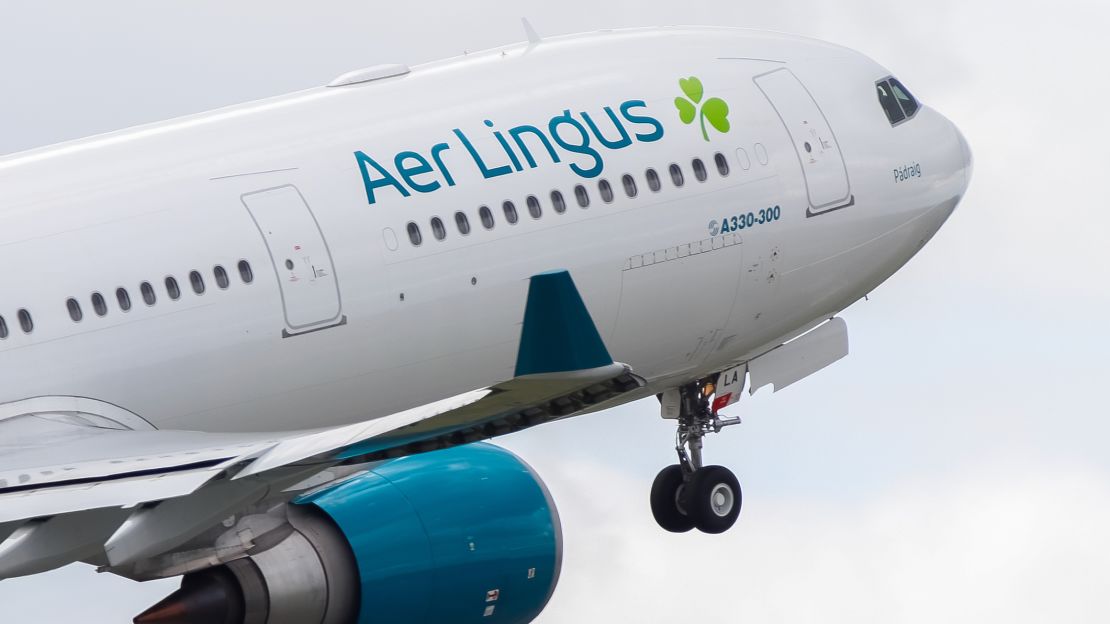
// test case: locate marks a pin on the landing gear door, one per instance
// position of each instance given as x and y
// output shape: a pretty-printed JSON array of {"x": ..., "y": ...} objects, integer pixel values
[
  {"x": 301, "y": 259},
  {"x": 822, "y": 162}
]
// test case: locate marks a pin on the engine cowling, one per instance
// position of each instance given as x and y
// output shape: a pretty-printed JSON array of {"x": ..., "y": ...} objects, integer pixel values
[{"x": 463, "y": 535}]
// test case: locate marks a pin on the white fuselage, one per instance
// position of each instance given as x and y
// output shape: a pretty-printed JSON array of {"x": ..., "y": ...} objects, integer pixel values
[{"x": 366, "y": 323}]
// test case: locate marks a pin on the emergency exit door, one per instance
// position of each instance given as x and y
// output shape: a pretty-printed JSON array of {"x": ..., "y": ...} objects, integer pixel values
[
  {"x": 301, "y": 259},
  {"x": 823, "y": 167}
]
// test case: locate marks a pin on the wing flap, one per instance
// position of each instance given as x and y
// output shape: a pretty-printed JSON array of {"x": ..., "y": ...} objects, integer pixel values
[
  {"x": 512, "y": 406},
  {"x": 43, "y": 545},
  {"x": 70, "y": 455},
  {"x": 121, "y": 493},
  {"x": 320, "y": 443}
]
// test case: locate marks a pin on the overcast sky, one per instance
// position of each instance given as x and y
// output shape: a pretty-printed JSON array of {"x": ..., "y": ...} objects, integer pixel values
[{"x": 954, "y": 468}]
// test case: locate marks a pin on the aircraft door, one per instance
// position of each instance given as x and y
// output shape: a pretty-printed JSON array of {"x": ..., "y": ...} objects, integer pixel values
[
  {"x": 301, "y": 258},
  {"x": 823, "y": 166}
]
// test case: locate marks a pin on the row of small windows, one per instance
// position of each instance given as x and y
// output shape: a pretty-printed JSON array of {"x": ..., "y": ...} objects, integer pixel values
[
  {"x": 559, "y": 202},
  {"x": 123, "y": 298},
  {"x": 150, "y": 297}
]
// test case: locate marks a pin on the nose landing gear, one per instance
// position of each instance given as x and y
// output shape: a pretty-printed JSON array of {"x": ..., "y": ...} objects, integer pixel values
[{"x": 690, "y": 495}]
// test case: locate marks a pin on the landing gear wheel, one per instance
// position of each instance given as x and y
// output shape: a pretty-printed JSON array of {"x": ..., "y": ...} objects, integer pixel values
[
  {"x": 667, "y": 505},
  {"x": 713, "y": 499}
]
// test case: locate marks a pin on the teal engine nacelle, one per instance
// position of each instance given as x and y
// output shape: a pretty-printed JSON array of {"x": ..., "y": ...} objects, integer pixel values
[{"x": 459, "y": 536}]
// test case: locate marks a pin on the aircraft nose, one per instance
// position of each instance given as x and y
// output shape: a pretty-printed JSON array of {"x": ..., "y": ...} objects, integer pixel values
[{"x": 969, "y": 159}]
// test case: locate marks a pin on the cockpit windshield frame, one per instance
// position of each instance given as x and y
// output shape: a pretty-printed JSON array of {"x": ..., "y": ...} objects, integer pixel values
[{"x": 896, "y": 100}]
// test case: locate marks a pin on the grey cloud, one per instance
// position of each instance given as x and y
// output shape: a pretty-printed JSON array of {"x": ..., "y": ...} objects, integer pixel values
[{"x": 953, "y": 468}]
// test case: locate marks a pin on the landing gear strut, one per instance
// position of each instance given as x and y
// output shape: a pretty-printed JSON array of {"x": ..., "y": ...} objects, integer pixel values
[{"x": 691, "y": 495}]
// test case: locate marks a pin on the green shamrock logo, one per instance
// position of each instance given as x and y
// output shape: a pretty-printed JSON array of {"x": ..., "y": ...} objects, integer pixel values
[{"x": 714, "y": 110}]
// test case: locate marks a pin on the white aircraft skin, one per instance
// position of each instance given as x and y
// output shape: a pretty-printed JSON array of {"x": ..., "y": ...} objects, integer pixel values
[
  {"x": 413, "y": 324},
  {"x": 157, "y": 433}
]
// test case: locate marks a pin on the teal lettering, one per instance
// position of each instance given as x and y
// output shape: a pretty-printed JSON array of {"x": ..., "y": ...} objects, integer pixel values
[
  {"x": 408, "y": 173},
  {"x": 505, "y": 146},
  {"x": 623, "y": 142},
  {"x": 387, "y": 178},
  {"x": 486, "y": 172},
  {"x": 437, "y": 156},
  {"x": 571, "y": 137},
  {"x": 642, "y": 120},
  {"x": 580, "y": 147},
  {"x": 519, "y": 130}
]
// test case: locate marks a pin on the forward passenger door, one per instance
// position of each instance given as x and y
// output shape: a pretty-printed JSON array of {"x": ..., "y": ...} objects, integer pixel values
[{"x": 822, "y": 162}]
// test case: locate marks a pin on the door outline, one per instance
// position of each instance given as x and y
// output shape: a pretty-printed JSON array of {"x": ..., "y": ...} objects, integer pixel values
[
  {"x": 307, "y": 328},
  {"x": 811, "y": 210}
]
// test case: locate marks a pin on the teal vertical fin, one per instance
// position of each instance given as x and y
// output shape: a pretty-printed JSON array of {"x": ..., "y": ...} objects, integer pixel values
[{"x": 558, "y": 333}]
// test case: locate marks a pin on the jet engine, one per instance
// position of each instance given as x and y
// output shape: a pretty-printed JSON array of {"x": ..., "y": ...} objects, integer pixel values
[{"x": 468, "y": 534}]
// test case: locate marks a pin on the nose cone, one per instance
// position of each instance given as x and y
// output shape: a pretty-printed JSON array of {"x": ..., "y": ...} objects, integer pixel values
[{"x": 209, "y": 597}]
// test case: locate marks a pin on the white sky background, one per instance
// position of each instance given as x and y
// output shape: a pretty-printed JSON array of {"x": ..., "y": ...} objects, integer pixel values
[{"x": 954, "y": 468}]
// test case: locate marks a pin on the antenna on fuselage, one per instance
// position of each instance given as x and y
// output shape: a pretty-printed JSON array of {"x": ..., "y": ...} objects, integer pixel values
[{"x": 533, "y": 37}]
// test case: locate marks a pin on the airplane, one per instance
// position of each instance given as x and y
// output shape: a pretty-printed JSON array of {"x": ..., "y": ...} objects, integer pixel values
[{"x": 263, "y": 348}]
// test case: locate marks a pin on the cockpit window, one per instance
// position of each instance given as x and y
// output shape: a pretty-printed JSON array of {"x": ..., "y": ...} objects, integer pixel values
[
  {"x": 897, "y": 102},
  {"x": 890, "y": 105},
  {"x": 905, "y": 98}
]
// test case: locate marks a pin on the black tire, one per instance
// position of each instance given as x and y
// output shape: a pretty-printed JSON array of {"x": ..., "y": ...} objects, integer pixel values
[
  {"x": 714, "y": 499},
  {"x": 665, "y": 492}
]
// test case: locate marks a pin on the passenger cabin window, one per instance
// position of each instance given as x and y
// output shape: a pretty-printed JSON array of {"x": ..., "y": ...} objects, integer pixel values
[
  {"x": 245, "y": 272},
  {"x": 147, "y": 291},
  {"x": 897, "y": 102},
  {"x": 75, "y": 312},
  {"x": 438, "y": 229},
  {"x": 722, "y": 164},
  {"x": 510, "y": 212},
  {"x": 534, "y": 207},
  {"x": 558, "y": 203},
  {"x": 629, "y": 185},
  {"x": 654, "y": 183},
  {"x": 462, "y": 222},
  {"x": 123, "y": 299},
  {"x": 172, "y": 289},
  {"x": 582, "y": 196},
  {"x": 100, "y": 306},
  {"x": 676, "y": 175},
  {"x": 222, "y": 280},
  {"x": 25, "y": 322},
  {"x": 196, "y": 280},
  {"x": 3, "y": 328},
  {"x": 699, "y": 170},
  {"x": 606, "y": 191},
  {"x": 415, "y": 237},
  {"x": 486, "y": 215}
]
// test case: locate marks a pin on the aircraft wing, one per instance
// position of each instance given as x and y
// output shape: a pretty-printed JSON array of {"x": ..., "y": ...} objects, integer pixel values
[{"x": 73, "y": 489}]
